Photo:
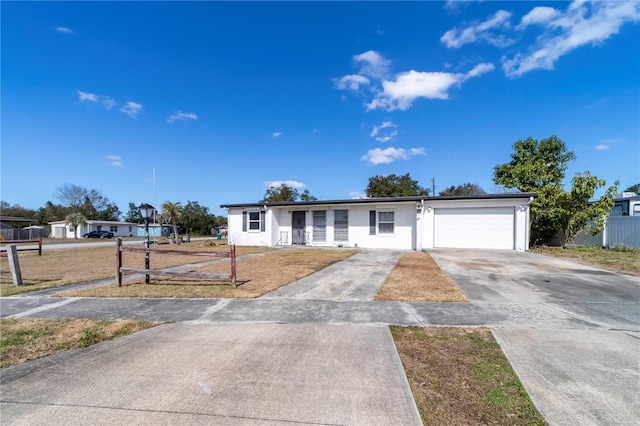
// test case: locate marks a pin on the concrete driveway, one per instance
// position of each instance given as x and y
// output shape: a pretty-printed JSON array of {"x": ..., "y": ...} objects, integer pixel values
[{"x": 587, "y": 374}]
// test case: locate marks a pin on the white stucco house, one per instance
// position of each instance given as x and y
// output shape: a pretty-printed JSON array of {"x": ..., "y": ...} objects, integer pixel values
[
  {"x": 60, "y": 229},
  {"x": 491, "y": 221}
]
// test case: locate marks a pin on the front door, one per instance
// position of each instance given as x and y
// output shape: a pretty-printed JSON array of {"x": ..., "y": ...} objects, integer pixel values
[{"x": 298, "y": 226}]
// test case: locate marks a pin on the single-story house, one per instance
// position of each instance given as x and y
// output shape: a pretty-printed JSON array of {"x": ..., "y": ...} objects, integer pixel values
[
  {"x": 492, "y": 221},
  {"x": 60, "y": 229},
  {"x": 156, "y": 230}
]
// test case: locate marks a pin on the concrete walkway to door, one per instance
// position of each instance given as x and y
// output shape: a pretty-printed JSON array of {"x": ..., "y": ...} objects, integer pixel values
[{"x": 357, "y": 278}]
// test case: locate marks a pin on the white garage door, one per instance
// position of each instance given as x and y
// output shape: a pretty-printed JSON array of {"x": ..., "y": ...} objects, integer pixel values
[{"x": 474, "y": 228}]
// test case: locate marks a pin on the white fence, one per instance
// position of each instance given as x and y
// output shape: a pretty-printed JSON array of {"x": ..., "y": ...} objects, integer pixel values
[{"x": 619, "y": 231}]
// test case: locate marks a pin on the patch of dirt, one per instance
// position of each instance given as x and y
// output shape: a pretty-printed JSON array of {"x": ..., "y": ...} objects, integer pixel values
[{"x": 418, "y": 278}]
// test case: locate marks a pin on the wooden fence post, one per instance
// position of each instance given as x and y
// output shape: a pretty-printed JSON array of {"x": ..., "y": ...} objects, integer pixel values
[
  {"x": 233, "y": 265},
  {"x": 14, "y": 264},
  {"x": 118, "y": 262},
  {"x": 40, "y": 246}
]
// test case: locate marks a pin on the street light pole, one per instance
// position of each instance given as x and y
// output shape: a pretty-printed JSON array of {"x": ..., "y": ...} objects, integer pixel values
[
  {"x": 146, "y": 246},
  {"x": 146, "y": 210}
]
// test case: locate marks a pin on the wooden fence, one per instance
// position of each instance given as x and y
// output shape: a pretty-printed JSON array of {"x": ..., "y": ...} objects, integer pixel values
[
  {"x": 120, "y": 270},
  {"x": 3, "y": 250}
]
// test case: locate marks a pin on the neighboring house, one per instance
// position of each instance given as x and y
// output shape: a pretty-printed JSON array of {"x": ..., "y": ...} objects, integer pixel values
[
  {"x": 499, "y": 221},
  {"x": 622, "y": 227},
  {"x": 156, "y": 230},
  {"x": 60, "y": 229}
]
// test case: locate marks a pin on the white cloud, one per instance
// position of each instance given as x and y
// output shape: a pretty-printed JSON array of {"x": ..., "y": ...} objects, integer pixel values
[
  {"x": 351, "y": 82},
  {"x": 289, "y": 183},
  {"x": 132, "y": 109},
  {"x": 389, "y": 155},
  {"x": 411, "y": 85},
  {"x": 480, "y": 31},
  {"x": 372, "y": 64},
  {"x": 85, "y": 96},
  {"x": 606, "y": 143},
  {"x": 386, "y": 136},
  {"x": 357, "y": 195},
  {"x": 179, "y": 115},
  {"x": 538, "y": 15},
  {"x": 115, "y": 160},
  {"x": 65, "y": 30},
  {"x": 276, "y": 134},
  {"x": 106, "y": 101},
  {"x": 384, "y": 125},
  {"x": 582, "y": 23}
]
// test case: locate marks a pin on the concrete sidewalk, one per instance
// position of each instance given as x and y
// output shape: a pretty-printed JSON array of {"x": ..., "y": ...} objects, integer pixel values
[{"x": 247, "y": 374}]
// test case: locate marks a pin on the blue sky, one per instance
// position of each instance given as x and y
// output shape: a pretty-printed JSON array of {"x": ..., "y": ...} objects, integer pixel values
[{"x": 224, "y": 99}]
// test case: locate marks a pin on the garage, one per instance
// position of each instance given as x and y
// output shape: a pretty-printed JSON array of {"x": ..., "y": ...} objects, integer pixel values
[{"x": 488, "y": 227}]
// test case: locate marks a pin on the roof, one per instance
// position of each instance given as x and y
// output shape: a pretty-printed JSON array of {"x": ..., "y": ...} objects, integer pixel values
[
  {"x": 16, "y": 219},
  {"x": 91, "y": 222},
  {"x": 386, "y": 200}
]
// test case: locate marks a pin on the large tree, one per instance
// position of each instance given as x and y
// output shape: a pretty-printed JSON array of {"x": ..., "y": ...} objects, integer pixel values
[
  {"x": 133, "y": 215},
  {"x": 90, "y": 202},
  {"x": 633, "y": 188},
  {"x": 280, "y": 194},
  {"x": 394, "y": 186},
  {"x": 51, "y": 212},
  {"x": 540, "y": 166},
  {"x": 285, "y": 193},
  {"x": 464, "y": 189},
  {"x": 171, "y": 212},
  {"x": 75, "y": 220},
  {"x": 197, "y": 219}
]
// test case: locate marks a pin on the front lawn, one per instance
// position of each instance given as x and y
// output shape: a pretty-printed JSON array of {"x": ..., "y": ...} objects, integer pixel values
[{"x": 621, "y": 259}]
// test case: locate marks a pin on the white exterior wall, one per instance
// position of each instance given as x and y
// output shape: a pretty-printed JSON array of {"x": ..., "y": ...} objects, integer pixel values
[
  {"x": 249, "y": 238},
  {"x": 125, "y": 229}
]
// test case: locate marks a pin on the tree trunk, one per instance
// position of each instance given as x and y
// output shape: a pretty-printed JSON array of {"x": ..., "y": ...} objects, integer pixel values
[{"x": 175, "y": 232}]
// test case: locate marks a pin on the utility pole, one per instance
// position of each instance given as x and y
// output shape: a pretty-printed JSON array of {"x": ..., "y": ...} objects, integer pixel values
[{"x": 433, "y": 187}]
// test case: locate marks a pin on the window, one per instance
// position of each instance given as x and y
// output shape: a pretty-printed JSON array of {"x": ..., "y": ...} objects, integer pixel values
[
  {"x": 131, "y": 229},
  {"x": 113, "y": 228},
  {"x": 254, "y": 221},
  {"x": 636, "y": 210},
  {"x": 72, "y": 229},
  {"x": 385, "y": 222},
  {"x": 319, "y": 225},
  {"x": 341, "y": 225}
]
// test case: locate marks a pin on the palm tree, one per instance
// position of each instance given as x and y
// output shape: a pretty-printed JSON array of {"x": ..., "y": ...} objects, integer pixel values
[
  {"x": 172, "y": 211},
  {"x": 75, "y": 220}
]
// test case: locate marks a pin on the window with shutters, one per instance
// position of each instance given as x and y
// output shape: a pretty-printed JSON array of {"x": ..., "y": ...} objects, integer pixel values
[
  {"x": 341, "y": 225},
  {"x": 254, "y": 221}
]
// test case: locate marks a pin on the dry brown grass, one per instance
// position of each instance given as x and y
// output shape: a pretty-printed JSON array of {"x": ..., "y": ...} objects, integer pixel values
[
  {"x": 256, "y": 276},
  {"x": 57, "y": 268},
  {"x": 417, "y": 278},
  {"x": 460, "y": 376},
  {"x": 619, "y": 259},
  {"x": 23, "y": 340}
]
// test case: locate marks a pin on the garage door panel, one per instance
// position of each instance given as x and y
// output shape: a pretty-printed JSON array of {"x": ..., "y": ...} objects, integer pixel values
[{"x": 474, "y": 228}]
